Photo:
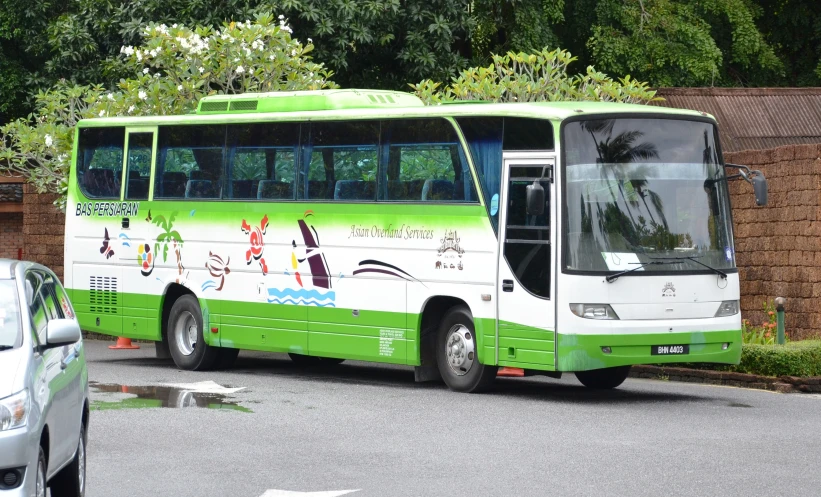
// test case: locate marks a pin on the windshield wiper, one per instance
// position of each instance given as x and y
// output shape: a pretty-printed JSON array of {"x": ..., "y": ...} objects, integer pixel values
[
  {"x": 6, "y": 347},
  {"x": 613, "y": 277},
  {"x": 692, "y": 258}
]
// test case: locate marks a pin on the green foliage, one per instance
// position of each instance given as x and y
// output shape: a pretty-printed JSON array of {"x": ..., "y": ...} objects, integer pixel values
[
  {"x": 763, "y": 334},
  {"x": 171, "y": 71},
  {"x": 801, "y": 358},
  {"x": 539, "y": 76}
]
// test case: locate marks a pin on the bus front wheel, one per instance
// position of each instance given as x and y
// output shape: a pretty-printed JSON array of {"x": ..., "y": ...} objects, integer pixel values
[
  {"x": 603, "y": 379},
  {"x": 185, "y": 340},
  {"x": 456, "y": 353}
]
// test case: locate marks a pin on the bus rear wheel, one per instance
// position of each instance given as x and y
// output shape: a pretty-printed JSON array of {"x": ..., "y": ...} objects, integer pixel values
[
  {"x": 456, "y": 353},
  {"x": 603, "y": 379},
  {"x": 185, "y": 340}
]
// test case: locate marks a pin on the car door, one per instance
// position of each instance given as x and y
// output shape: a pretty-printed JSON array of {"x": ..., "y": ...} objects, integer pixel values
[
  {"x": 526, "y": 325},
  {"x": 51, "y": 394}
]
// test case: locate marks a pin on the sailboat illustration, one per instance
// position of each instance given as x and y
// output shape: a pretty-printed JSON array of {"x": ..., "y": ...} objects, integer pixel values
[{"x": 316, "y": 259}]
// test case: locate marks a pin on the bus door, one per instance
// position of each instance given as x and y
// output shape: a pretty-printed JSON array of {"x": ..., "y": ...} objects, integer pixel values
[
  {"x": 136, "y": 255},
  {"x": 525, "y": 282}
]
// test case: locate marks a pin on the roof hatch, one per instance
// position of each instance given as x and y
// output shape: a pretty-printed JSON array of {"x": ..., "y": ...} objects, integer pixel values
[{"x": 302, "y": 101}]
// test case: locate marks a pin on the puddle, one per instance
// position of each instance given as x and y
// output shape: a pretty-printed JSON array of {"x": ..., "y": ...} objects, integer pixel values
[
  {"x": 736, "y": 404},
  {"x": 115, "y": 396}
]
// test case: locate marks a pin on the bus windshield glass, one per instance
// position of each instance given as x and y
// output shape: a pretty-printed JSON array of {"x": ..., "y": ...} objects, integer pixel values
[{"x": 645, "y": 190}]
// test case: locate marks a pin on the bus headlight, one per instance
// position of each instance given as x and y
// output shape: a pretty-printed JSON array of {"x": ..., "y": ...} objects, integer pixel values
[
  {"x": 727, "y": 308},
  {"x": 593, "y": 311},
  {"x": 14, "y": 411}
]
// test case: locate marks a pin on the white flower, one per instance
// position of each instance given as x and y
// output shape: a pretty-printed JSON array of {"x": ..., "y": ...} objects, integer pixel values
[
  {"x": 293, "y": 53},
  {"x": 155, "y": 52},
  {"x": 49, "y": 140},
  {"x": 142, "y": 95},
  {"x": 310, "y": 40},
  {"x": 145, "y": 71},
  {"x": 110, "y": 96},
  {"x": 131, "y": 109},
  {"x": 139, "y": 55},
  {"x": 179, "y": 87},
  {"x": 174, "y": 25},
  {"x": 202, "y": 70},
  {"x": 102, "y": 113},
  {"x": 240, "y": 69},
  {"x": 271, "y": 57},
  {"x": 280, "y": 17}
]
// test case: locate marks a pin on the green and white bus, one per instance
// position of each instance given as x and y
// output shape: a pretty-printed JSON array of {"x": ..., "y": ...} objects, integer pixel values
[{"x": 357, "y": 224}]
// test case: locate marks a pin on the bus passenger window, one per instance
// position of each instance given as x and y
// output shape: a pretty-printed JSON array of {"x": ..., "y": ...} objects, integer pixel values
[
  {"x": 100, "y": 162},
  {"x": 425, "y": 163},
  {"x": 340, "y": 162},
  {"x": 190, "y": 162},
  {"x": 262, "y": 161}
]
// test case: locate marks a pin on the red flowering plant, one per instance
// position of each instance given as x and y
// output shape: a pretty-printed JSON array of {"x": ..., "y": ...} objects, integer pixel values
[{"x": 764, "y": 333}]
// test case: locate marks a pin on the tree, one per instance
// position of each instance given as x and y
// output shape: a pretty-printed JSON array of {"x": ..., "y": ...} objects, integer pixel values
[{"x": 171, "y": 71}]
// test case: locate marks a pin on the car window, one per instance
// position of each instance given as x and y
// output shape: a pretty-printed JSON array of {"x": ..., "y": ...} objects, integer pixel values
[
  {"x": 63, "y": 301},
  {"x": 37, "y": 309},
  {"x": 10, "y": 326},
  {"x": 48, "y": 294}
]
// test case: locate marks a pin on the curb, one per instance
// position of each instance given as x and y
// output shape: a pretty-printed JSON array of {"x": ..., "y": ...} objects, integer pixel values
[{"x": 781, "y": 384}]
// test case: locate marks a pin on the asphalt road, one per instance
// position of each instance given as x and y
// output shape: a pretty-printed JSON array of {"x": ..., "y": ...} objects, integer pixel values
[{"x": 370, "y": 427}]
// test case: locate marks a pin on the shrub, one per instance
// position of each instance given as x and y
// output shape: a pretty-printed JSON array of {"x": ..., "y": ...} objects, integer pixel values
[{"x": 801, "y": 358}]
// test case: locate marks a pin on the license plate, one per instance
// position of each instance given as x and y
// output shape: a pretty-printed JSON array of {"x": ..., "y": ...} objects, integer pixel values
[{"x": 669, "y": 350}]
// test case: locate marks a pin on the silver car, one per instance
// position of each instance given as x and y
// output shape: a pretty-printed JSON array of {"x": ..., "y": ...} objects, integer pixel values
[{"x": 43, "y": 386}]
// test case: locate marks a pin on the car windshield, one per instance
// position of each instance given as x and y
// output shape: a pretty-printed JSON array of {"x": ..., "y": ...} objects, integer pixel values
[
  {"x": 10, "y": 327},
  {"x": 642, "y": 191}
]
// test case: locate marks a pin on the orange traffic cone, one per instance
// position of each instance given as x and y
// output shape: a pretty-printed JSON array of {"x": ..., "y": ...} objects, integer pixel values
[
  {"x": 510, "y": 372},
  {"x": 123, "y": 343}
]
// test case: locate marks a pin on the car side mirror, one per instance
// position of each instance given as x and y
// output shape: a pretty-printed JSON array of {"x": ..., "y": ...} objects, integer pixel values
[
  {"x": 760, "y": 188},
  {"x": 535, "y": 199},
  {"x": 62, "y": 332}
]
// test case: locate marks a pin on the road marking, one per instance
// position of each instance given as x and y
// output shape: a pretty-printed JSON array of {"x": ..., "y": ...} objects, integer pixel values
[
  {"x": 289, "y": 493},
  {"x": 204, "y": 387}
]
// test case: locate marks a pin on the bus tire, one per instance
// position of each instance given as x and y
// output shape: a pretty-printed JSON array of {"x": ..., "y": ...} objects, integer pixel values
[
  {"x": 603, "y": 379},
  {"x": 310, "y": 360},
  {"x": 188, "y": 349},
  {"x": 456, "y": 354}
]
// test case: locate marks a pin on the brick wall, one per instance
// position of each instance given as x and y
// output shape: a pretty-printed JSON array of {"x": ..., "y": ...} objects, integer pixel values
[
  {"x": 43, "y": 229},
  {"x": 778, "y": 247},
  {"x": 11, "y": 234}
]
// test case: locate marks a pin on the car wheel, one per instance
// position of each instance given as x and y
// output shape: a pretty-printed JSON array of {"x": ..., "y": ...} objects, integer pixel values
[
  {"x": 185, "y": 340},
  {"x": 456, "y": 354},
  {"x": 71, "y": 480},
  {"x": 310, "y": 360},
  {"x": 603, "y": 379},
  {"x": 40, "y": 484}
]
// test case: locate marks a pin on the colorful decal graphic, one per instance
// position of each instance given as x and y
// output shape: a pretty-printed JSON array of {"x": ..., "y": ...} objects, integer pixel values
[
  {"x": 180, "y": 268},
  {"x": 321, "y": 273},
  {"x": 218, "y": 268},
  {"x": 372, "y": 266},
  {"x": 145, "y": 259},
  {"x": 450, "y": 252},
  {"x": 257, "y": 242},
  {"x": 124, "y": 240},
  {"x": 167, "y": 237},
  {"x": 148, "y": 218},
  {"x": 106, "y": 249}
]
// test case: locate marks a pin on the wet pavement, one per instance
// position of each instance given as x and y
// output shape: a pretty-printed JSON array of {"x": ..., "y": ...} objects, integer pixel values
[{"x": 271, "y": 427}]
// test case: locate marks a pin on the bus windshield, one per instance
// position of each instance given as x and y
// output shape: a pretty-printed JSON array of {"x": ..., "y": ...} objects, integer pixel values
[{"x": 645, "y": 189}]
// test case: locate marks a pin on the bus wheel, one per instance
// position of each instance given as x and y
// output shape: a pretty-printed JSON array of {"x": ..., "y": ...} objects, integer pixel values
[
  {"x": 456, "y": 354},
  {"x": 310, "y": 360},
  {"x": 603, "y": 379},
  {"x": 188, "y": 349}
]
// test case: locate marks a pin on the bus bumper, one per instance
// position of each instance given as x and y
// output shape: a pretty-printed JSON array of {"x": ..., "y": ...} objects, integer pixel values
[{"x": 579, "y": 352}]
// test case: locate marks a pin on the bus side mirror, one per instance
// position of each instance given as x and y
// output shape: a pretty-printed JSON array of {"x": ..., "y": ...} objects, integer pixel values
[
  {"x": 535, "y": 199},
  {"x": 760, "y": 188}
]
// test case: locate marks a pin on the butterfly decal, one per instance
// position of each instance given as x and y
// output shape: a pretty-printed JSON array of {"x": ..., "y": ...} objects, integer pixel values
[{"x": 106, "y": 249}]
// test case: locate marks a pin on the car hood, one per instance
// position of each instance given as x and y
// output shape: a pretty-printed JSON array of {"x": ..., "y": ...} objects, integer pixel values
[{"x": 11, "y": 374}]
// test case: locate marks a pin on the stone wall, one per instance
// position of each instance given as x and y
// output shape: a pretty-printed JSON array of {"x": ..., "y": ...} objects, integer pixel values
[
  {"x": 43, "y": 229},
  {"x": 778, "y": 247},
  {"x": 11, "y": 234}
]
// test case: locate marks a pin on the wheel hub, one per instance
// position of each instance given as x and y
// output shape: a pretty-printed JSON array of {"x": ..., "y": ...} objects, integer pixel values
[
  {"x": 186, "y": 333},
  {"x": 460, "y": 349}
]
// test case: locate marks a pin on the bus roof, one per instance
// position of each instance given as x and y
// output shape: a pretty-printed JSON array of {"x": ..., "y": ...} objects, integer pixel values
[{"x": 366, "y": 104}]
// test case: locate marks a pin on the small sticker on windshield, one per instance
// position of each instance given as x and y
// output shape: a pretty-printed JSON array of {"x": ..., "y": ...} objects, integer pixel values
[
  {"x": 728, "y": 253},
  {"x": 494, "y": 204}
]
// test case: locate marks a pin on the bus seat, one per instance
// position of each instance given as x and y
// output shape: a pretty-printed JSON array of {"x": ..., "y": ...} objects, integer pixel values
[
  {"x": 243, "y": 188},
  {"x": 273, "y": 189},
  {"x": 321, "y": 190},
  {"x": 199, "y": 188},
  {"x": 173, "y": 184},
  {"x": 137, "y": 189},
  {"x": 133, "y": 174},
  {"x": 354, "y": 190},
  {"x": 101, "y": 183},
  {"x": 196, "y": 174},
  {"x": 405, "y": 190},
  {"x": 437, "y": 189}
]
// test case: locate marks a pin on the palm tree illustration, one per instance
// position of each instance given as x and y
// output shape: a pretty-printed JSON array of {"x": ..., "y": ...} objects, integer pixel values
[{"x": 168, "y": 237}]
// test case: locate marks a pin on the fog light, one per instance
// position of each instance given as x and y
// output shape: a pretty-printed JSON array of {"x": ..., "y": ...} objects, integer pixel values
[
  {"x": 606, "y": 350},
  {"x": 11, "y": 479},
  {"x": 725, "y": 346}
]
